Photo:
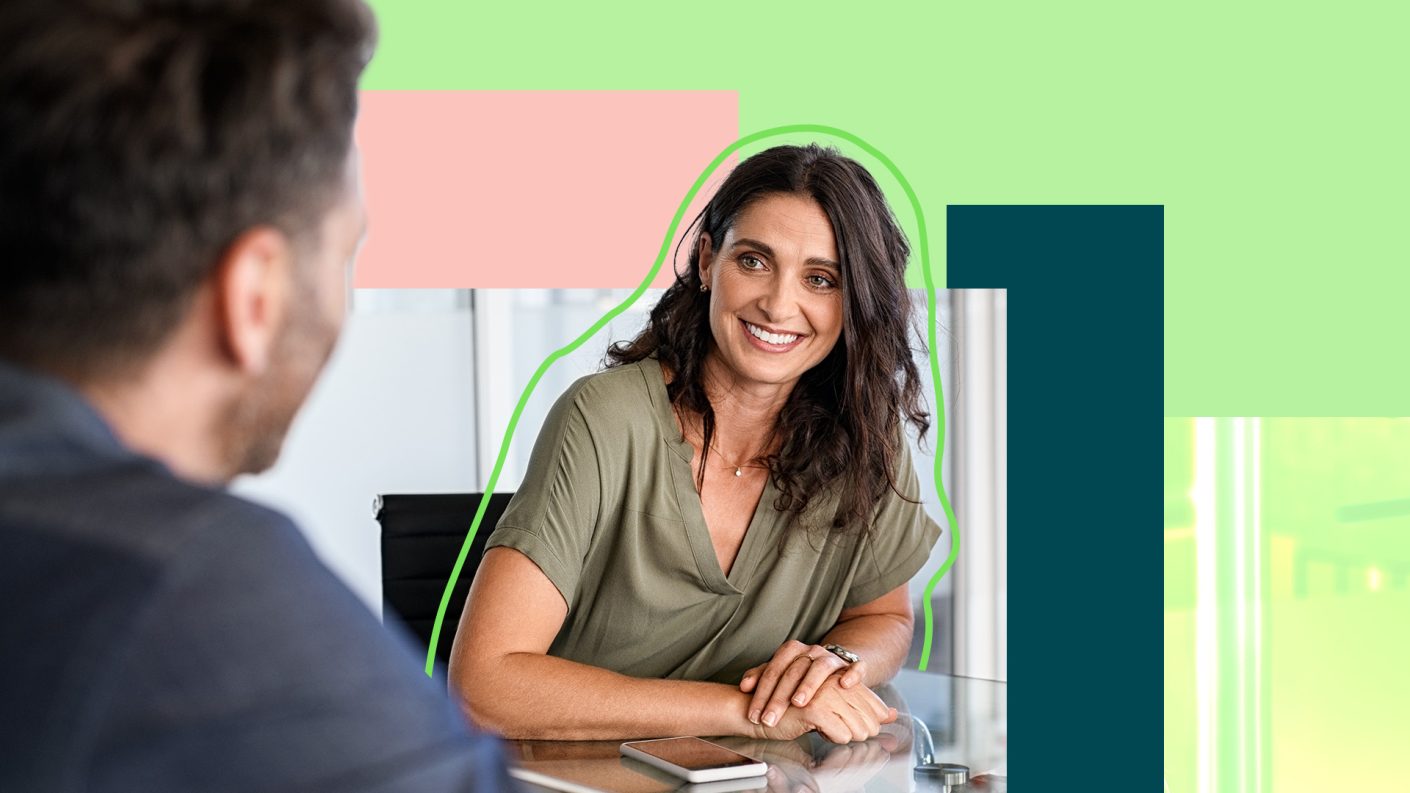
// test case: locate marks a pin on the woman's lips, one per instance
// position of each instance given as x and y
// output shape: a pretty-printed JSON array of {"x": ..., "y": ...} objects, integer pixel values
[{"x": 768, "y": 346}]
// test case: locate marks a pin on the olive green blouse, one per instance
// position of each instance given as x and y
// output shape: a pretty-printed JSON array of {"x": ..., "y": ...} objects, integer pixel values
[{"x": 609, "y": 512}]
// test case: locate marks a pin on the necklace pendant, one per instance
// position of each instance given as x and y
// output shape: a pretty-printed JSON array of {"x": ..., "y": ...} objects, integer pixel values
[{"x": 739, "y": 472}]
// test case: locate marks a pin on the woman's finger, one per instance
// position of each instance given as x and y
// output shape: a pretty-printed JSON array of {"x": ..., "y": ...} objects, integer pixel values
[
  {"x": 865, "y": 699},
  {"x": 854, "y": 675},
  {"x": 833, "y": 727},
  {"x": 861, "y": 722},
  {"x": 883, "y": 713},
  {"x": 746, "y": 683},
  {"x": 784, "y": 688},
  {"x": 823, "y": 667},
  {"x": 768, "y": 677}
]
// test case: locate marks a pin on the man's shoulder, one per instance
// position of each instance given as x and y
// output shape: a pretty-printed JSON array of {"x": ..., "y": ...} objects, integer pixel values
[
  {"x": 88, "y": 554},
  {"x": 142, "y": 603},
  {"x": 127, "y": 510},
  {"x": 87, "y": 557}
]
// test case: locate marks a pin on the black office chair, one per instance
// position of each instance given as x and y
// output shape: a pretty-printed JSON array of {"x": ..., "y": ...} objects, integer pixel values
[{"x": 421, "y": 538}]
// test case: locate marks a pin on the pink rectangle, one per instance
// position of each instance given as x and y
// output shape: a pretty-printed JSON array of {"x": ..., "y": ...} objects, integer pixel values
[{"x": 531, "y": 188}]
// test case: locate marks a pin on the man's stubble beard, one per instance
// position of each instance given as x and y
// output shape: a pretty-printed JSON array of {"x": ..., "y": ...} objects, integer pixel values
[{"x": 257, "y": 421}]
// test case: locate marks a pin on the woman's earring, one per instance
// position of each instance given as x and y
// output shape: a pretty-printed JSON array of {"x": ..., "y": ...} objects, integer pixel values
[{"x": 704, "y": 287}]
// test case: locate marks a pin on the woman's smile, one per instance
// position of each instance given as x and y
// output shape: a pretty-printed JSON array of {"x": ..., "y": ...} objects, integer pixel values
[{"x": 769, "y": 340}]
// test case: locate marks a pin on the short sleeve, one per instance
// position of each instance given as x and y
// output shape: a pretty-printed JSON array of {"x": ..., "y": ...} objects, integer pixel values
[
  {"x": 552, "y": 515},
  {"x": 900, "y": 540}
]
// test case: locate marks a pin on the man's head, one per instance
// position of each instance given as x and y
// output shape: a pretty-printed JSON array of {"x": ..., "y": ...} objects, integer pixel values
[{"x": 177, "y": 181}]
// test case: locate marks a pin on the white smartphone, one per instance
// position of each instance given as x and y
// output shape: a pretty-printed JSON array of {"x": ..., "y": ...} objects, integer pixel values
[{"x": 694, "y": 759}]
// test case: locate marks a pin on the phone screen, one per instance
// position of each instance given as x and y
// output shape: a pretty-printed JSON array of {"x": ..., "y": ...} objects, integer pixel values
[{"x": 693, "y": 754}]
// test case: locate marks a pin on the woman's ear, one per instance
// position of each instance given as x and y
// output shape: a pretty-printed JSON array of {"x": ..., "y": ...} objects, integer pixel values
[{"x": 706, "y": 258}]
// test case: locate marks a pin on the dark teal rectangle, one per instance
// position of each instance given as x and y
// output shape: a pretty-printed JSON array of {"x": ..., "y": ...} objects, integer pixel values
[{"x": 1085, "y": 483}]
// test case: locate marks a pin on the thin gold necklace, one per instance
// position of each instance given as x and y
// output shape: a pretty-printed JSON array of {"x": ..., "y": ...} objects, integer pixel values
[{"x": 738, "y": 467}]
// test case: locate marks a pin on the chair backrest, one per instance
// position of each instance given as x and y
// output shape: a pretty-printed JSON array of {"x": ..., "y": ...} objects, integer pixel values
[{"x": 421, "y": 538}]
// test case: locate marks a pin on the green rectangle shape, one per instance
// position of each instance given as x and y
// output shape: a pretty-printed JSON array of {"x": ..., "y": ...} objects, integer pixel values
[{"x": 1273, "y": 132}]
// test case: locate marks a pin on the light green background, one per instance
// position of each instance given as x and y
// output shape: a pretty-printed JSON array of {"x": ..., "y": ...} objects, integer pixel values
[
  {"x": 1333, "y": 540},
  {"x": 1274, "y": 133}
]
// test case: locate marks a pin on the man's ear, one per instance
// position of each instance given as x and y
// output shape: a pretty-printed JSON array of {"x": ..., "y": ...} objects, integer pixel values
[{"x": 252, "y": 295}]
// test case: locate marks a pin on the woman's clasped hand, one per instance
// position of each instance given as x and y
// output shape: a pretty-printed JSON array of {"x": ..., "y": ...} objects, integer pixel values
[{"x": 806, "y": 687}]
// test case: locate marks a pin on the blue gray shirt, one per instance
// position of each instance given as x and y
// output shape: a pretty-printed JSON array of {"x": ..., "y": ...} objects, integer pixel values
[{"x": 160, "y": 636}]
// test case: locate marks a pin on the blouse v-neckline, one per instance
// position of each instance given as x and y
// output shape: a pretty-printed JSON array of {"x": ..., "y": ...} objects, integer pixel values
[{"x": 692, "y": 509}]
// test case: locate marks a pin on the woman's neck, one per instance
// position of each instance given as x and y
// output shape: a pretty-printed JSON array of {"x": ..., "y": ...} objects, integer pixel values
[{"x": 745, "y": 414}]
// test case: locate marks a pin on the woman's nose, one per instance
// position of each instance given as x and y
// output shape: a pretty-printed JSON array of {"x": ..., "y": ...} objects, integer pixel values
[{"x": 780, "y": 301}]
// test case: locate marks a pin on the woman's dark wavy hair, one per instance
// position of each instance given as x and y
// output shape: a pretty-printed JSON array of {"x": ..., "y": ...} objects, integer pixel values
[{"x": 843, "y": 417}]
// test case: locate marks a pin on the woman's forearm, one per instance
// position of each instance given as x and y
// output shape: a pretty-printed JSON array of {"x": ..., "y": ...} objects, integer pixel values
[
  {"x": 530, "y": 695},
  {"x": 882, "y": 640}
]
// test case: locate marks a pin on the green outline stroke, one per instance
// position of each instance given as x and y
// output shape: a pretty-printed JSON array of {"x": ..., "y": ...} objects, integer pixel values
[{"x": 790, "y": 129}]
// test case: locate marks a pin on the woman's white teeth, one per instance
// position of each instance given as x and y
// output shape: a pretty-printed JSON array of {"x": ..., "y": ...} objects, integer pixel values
[{"x": 771, "y": 338}]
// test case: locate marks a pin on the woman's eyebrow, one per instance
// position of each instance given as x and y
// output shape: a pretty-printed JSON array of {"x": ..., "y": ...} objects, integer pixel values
[
  {"x": 816, "y": 261},
  {"x": 745, "y": 242}
]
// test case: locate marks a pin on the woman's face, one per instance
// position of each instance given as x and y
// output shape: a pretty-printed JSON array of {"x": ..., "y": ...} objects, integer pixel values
[{"x": 775, "y": 290}]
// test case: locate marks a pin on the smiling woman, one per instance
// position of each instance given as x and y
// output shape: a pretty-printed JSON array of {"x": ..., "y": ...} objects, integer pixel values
[{"x": 639, "y": 586}]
